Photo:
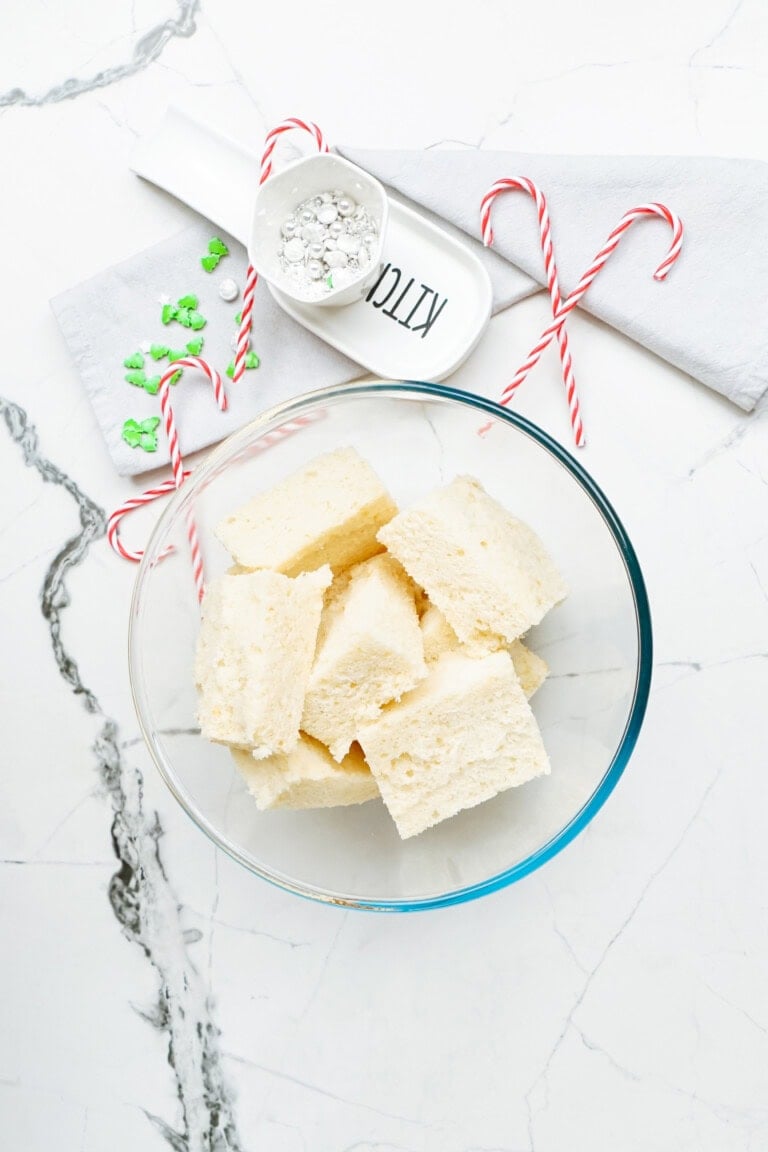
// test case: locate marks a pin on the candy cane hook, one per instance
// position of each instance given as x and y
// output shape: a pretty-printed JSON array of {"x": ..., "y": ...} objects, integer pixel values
[
  {"x": 251, "y": 280},
  {"x": 607, "y": 250},
  {"x": 113, "y": 524},
  {"x": 524, "y": 184},
  {"x": 177, "y": 467}
]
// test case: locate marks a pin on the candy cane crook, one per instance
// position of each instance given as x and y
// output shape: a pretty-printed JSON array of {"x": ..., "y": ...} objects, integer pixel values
[
  {"x": 274, "y": 135},
  {"x": 113, "y": 524},
  {"x": 244, "y": 334},
  {"x": 610, "y": 246},
  {"x": 523, "y": 184},
  {"x": 177, "y": 467}
]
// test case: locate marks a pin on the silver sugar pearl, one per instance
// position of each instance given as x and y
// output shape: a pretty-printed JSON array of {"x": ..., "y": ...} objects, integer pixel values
[
  {"x": 316, "y": 250},
  {"x": 315, "y": 269},
  {"x": 228, "y": 290},
  {"x": 289, "y": 227},
  {"x": 336, "y": 228},
  {"x": 345, "y": 205},
  {"x": 306, "y": 216}
]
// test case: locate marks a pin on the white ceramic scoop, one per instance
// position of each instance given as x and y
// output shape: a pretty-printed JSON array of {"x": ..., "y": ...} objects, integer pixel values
[{"x": 423, "y": 313}]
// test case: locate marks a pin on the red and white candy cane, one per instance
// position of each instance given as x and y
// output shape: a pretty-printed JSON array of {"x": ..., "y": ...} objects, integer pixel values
[
  {"x": 244, "y": 334},
  {"x": 177, "y": 467},
  {"x": 610, "y": 246},
  {"x": 113, "y": 524},
  {"x": 523, "y": 184}
]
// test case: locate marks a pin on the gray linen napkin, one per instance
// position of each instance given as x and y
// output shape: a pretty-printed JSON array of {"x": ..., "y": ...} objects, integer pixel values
[
  {"x": 708, "y": 318},
  {"x": 107, "y": 318}
]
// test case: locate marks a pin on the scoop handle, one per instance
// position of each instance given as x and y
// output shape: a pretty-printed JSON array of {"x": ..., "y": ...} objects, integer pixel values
[{"x": 203, "y": 167}]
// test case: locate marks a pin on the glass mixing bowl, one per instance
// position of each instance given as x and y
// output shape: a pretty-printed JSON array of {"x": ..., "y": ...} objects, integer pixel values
[{"x": 597, "y": 644}]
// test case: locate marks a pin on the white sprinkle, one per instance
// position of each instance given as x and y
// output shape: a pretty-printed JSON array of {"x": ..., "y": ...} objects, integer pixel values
[
  {"x": 349, "y": 244},
  {"x": 294, "y": 250},
  {"x": 228, "y": 290}
]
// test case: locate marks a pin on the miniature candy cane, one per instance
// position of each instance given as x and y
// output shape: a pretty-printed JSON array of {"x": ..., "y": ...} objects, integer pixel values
[
  {"x": 268, "y": 440},
  {"x": 169, "y": 422},
  {"x": 610, "y": 246},
  {"x": 244, "y": 334},
  {"x": 523, "y": 184},
  {"x": 177, "y": 466},
  {"x": 113, "y": 524}
]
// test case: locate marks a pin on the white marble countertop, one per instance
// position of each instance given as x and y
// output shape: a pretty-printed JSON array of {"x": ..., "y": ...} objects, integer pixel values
[{"x": 154, "y": 994}]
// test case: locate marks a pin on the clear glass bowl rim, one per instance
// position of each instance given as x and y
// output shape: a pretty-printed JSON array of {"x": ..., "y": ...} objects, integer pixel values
[{"x": 290, "y": 409}]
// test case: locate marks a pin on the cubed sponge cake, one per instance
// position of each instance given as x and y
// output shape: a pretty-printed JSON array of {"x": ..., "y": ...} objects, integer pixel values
[
  {"x": 369, "y": 652},
  {"x": 486, "y": 571},
  {"x": 439, "y": 638},
  {"x": 254, "y": 654},
  {"x": 307, "y": 777},
  {"x": 460, "y": 737},
  {"x": 326, "y": 513},
  {"x": 530, "y": 669}
]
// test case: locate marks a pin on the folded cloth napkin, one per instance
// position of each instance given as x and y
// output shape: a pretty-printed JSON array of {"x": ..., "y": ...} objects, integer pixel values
[
  {"x": 110, "y": 317},
  {"x": 707, "y": 318}
]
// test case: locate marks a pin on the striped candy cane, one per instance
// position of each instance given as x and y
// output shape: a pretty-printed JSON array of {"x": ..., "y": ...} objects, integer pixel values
[
  {"x": 244, "y": 334},
  {"x": 610, "y": 246},
  {"x": 113, "y": 524},
  {"x": 268, "y": 440},
  {"x": 177, "y": 467},
  {"x": 523, "y": 184}
]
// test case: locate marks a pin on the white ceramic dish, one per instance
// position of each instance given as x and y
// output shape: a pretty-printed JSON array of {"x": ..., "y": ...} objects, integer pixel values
[
  {"x": 218, "y": 178},
  {"x": 278, "y": 196},
  {"x": 424, "y": 313}
]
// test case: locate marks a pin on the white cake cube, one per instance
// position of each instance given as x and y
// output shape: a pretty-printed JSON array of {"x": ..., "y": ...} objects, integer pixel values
[
  {"x": 487, "y": 572},
  {"x": 439, "y": 638},
  {"x": 254, "y": 654},
  {"x": 369, "y": 652},
  {"x": 460, "y": 737},
  {"x": 307, "y": 777},
  {"x": 530, "y": 669},
  {"x": 326, "y": 513}
]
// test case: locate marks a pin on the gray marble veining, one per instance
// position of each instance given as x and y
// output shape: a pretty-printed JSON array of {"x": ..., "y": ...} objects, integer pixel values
[
  {"x": 145, "y": 51},
  {"x": 140, "y": 893}
]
